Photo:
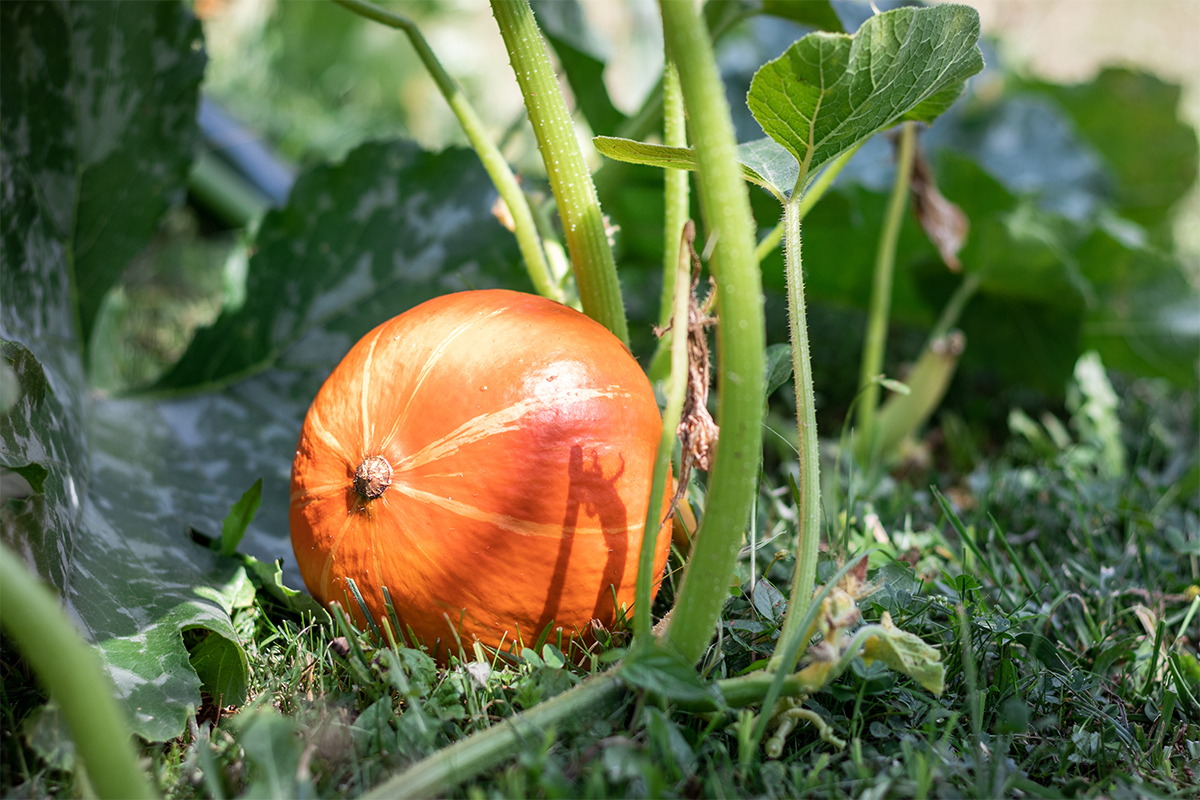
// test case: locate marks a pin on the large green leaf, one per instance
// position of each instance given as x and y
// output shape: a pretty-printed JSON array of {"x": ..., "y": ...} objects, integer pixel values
[
  {"x": 139, "y": 582},
  {"x": 109, "y": 529},
  {"x": 117, "y": 85},
  {"x": 828, "y": 91},
  {"x": 1146, "y": 316},
  {"x": 358, "y": 242},
  {"x": 43, "y": 440},
  {"x": 110, "y": 492},
  {"x": 1132, "y": 120},
  {"x": 1029, "y": 145}
]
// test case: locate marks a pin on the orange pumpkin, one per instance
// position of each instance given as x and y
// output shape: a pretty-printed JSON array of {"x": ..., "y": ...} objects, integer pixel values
[{"x": 487, "y": 457}]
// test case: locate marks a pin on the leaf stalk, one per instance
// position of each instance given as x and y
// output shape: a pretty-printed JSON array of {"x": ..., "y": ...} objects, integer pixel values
[
  {"x": 676, "y": 208},
  {"x": 881, "y": 290},
  {"x": 676, "y": 395},
  {"x": 457, "y": 763},
  {"x": 493, "y": 161},
  {"x": 809, "y": 484}
]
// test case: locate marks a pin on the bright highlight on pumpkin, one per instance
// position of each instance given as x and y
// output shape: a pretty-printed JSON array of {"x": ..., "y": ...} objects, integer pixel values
[{"x": 487, "y": 457}]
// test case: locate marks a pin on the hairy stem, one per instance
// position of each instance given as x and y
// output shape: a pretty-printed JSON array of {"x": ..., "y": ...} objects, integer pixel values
[
  {"x": 497, "y": 168},
  {"x": 806, "y": 420},
  {"x": 70, "y": 670},
  {"x": 881, "y": 289},
  {"x": 724, "y": 201},
  {"x": 676, "y": 205},
  {"x": 578, "y": 206}
]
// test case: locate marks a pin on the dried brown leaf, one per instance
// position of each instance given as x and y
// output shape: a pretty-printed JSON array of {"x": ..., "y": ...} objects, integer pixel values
[{"x": 944, "y": 222}]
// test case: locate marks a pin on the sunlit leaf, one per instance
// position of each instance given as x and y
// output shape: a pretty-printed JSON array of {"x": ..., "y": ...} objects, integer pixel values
[{"x": 829, "y": 91}]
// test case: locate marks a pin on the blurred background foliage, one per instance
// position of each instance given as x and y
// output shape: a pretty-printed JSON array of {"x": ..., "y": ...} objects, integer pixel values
[{"x": 1082, "y": 196}]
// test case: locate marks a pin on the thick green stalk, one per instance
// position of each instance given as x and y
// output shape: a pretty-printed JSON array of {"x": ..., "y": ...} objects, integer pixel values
[
  {"x": 806, "y": 420},
  {"x": 677, "y": 382},
  {"x": 497, "y": 168},
  {"x": 70, "y": 670},
  {"x": 676, "y": 206},
  {"x": 881, "y": 289},
  {"x": 578, "y": 206},
  {"x": 454, "y": 764},
  {"x": 725, "y": 203}
]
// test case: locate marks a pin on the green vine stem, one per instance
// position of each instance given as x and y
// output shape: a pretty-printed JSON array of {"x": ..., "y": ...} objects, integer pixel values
[
  {"x": 881, "y": 290},
  {"x": 497, "y": 168},
  {"x": 457, "y": 763},
  {"x": 806, "y": 419},
  {"x": 676, "y": 206},
  {"x": 725, "y": 203},
  {"x": 578, "y": 206},
  {"x": 70, "y": 670},
  {"x": 676, "y": 395}
]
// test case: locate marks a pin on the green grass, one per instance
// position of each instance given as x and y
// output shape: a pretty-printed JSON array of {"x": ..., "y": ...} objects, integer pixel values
[{"x": 1063, "y": 623}]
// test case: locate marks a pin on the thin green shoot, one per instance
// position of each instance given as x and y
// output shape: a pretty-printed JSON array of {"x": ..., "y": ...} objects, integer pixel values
[{"x": 493, "y": 160}]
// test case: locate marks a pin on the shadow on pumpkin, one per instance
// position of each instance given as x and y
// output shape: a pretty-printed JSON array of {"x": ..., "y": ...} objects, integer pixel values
[{"x": 593, "y": 493}]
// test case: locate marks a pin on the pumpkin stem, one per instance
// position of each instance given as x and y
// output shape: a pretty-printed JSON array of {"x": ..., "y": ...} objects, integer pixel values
[{"x": 373, "y": 476}]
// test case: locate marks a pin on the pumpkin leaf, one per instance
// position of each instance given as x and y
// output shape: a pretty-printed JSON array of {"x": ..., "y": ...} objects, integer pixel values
[
  {"x": 830, "y": 91},
  {"x": 43, "y": 439},
  {"x": 141, "y": 582},
  {"x": 116, "y": 85},
  {"x": 111, "y": 493},
  {"x": 1116, "y": 114},
  {"x": 358, "y": 243}
]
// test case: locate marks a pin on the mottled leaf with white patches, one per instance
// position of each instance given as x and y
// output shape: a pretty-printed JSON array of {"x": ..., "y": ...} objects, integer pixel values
[{"x": 358, "y": 242}]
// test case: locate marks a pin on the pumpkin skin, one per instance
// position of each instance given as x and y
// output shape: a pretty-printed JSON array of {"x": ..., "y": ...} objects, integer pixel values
[{"x": 520, "y": 436}]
